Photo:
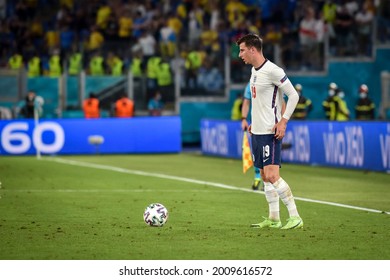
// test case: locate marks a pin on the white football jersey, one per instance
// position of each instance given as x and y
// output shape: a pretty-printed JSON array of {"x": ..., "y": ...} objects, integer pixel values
[{"x": 267, "y": 98}]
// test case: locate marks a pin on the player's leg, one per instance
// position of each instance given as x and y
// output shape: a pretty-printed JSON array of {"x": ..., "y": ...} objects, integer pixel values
[
  {"x": 257, "y": 181},
  {"x": 271, "y": 195},
  {"x": 271, "y": 171},
  {"x": 285, "y": 194}
]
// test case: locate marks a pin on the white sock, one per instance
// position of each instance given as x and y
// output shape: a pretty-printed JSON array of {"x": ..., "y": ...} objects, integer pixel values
[
  {"x": 286, "y": 196},
  {"x": 272, "y": 198}
]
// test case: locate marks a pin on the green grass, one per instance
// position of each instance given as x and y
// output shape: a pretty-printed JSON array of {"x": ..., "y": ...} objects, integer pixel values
[{"x": 51, "y": 210}]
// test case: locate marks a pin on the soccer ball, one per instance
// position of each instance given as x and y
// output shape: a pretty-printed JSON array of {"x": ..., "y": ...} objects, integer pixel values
[{"x": 155, "y": 215}]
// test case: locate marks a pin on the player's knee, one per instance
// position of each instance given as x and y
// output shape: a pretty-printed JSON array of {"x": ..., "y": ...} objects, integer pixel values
[{"x": 273, "y": 177}]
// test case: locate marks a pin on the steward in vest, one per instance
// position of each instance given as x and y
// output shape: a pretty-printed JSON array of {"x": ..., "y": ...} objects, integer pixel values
[
  {"x": 236, "y": 109},
  {"x": 328, "y": 103},
  {"x": 136, "y": 67},
  {"x": 164, "y": 81},
  {"x": 124, "y": 107},
  {"x": 55, "y": 66},
  {"x": 194, "y": 60},
  {"x": 34, "y": 67},
  {"x": 304, "y": 105},
  {"x": 365, "y": 108},
  {"x": 96, "y": 65},
  {"x": 115, "y": 64},
  {"x": 91, "y": 107},
  {"x": 192, "y": 65},
  {"x": 339, "y": 110},
  {"x": 75, "y": 63},
  {"x": 164, "y": 75},
  {"x": 15, "y": 62},
  {"x": 152, "y": 68}
]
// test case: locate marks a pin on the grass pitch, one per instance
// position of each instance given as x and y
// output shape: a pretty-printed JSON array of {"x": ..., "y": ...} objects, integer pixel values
[{"x": 91, "y": 207}]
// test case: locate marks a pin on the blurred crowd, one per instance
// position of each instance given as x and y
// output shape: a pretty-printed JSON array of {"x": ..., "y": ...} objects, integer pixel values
[{"x": 110, "y": 37}]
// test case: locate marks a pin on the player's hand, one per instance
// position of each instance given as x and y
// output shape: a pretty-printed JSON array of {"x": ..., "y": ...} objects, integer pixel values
[
  {"x": 250, "y": 129},
  {"x": 244, "y": 125},
  {"x": 280, "y": 129}
]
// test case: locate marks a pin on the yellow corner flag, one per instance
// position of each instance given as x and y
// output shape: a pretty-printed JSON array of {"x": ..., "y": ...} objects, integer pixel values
[{"x": 246, "y": 153}]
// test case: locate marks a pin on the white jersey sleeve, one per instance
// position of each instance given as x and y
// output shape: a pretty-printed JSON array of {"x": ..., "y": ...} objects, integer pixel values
[{"x": 293, "y": 98}]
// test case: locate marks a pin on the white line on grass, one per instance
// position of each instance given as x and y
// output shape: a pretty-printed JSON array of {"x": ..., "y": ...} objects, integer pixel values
[
  {"x": 199, "y": 182},
  {"x": 103, "y": 190}
]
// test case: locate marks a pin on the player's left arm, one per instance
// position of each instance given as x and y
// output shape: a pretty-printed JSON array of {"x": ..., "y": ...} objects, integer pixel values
[{"x": 287, "y": 109}]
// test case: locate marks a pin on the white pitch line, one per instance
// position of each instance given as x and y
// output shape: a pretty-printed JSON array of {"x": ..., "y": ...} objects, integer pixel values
[
  {"x": 102, "y": 190},
  {"x": 199, "y": 182}
]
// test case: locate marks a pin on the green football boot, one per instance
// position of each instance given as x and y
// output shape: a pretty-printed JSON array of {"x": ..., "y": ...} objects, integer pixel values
[
  {"x": 293, "y": 223},
  {"x": 267, "y": 223}
]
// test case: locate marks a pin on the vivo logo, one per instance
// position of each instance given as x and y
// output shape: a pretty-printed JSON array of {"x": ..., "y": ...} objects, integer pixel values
[
  {"x": 215, "y": 139},
  {"x": 345, "y": 147}
]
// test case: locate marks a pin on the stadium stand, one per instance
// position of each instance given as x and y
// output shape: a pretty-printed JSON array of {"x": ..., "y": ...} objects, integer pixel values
[{"x": 302, "y": 36}]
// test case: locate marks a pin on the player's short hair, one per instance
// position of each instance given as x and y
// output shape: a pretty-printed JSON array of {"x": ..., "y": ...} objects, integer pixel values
[{"x": 251, "y": 40}]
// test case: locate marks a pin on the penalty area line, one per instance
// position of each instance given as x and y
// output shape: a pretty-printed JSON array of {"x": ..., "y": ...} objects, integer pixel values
[{"x": 199, "y": 182}]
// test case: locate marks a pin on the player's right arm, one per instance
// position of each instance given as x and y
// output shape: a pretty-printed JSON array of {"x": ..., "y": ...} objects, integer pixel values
[
  {"x": 245, "y": 108},
  {"x": 244, "y": 114}
]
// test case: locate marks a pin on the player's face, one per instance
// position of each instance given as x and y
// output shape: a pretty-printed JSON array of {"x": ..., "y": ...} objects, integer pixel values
[{"x": 245, "y": 53}]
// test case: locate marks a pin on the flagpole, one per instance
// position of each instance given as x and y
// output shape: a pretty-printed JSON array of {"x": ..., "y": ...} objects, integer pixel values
[{"x": 36, "y": 122}]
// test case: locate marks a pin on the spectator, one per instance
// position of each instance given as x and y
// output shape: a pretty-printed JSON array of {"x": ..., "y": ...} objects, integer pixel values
[
  {"x": 6, "y": 37},
  {"x": 67, "y": 37},
  {"x": 364, "y": 22},
  {"x": 365, "y": 108},
  {"x": 52, "y": 38},
  {"x": 147, "y": 44},
  {"x": 138, "y": 24},
  {"x": 209, "y": 77},
  {"x": 95, "y": 39},
  {"x": 91, "y": 107},
  {"x": 168, "y": 40},
  {"x": 102, "y": 15},
  {"x": 31, "y": 104},
  {"x": 195, "y": 24},
  {"x": 209, "y": 40},
  {"x": 309, "y": 35},
  {"x": 5, "y": 113},
  {"x": 236, "y": 11},
  {"x": 383, "y": 18},
  {"x": 343, "y": 30},
  {"x": 329, "y": 10},
  {"x": 175, "y": 23},
  {"x": 124, "y": 107},
  {"x": 125, "y": 25},
  {"x": 155, "y": 105},
  {"x": 112, "y": 30}
]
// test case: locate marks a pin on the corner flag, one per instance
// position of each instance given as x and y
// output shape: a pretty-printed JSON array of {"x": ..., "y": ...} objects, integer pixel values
[{"x": 246, "y": 153}]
